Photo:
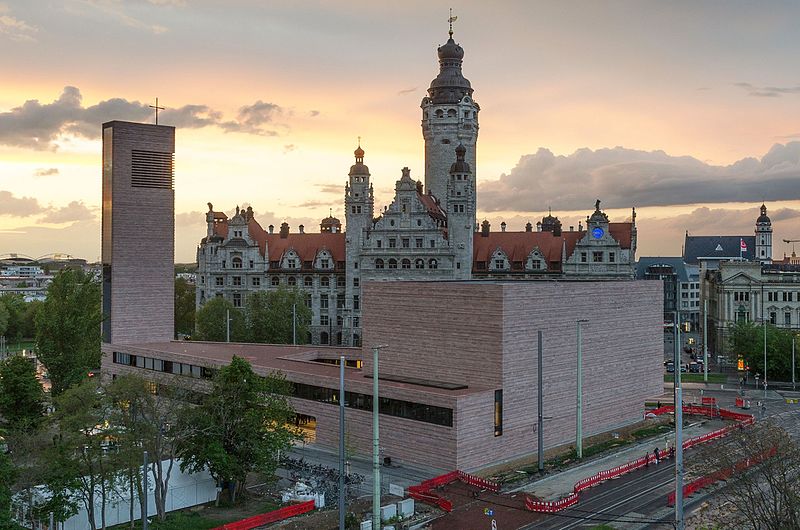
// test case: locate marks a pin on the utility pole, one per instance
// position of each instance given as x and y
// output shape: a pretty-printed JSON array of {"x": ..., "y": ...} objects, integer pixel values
[
  {"x": 678, "y": 422},
  {"x": 376, "y": 464},
  {"x": 341, "y": 442},
  {"x": 144, "y": 492},
  {"x": 227, "y": 325},
  {"x": 294, "y": 323},
  {"x": 793, "y": 339},
  {"x": 764, "y": 321},
  {"x": 705, "y": 341},
  {"x": 540, "y": 406},
  {"x": 579, "y": 396}
]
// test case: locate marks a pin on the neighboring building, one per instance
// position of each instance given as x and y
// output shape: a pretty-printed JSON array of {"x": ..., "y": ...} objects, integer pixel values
[
  {"x": 681, "y": 287},
  {"x": 22, "y": 271},
  {"x": 751, "y": 292},
  {"x": 138, "y": 243},
  {"x": 709, "y": 251},
  {"x": 428, "y": 232},
  {"x": 458, "y": 370}
]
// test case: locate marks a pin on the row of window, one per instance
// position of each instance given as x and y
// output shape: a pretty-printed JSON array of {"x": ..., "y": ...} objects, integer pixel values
[
  {"x": 599, "y": 256},
  {"x": 289, "y": 263},
  {"x": 405, "y": 263},
  {"x": 503, "y": 265},
  {"x": 390, "y": 407},
  {"x": 158, "y": 365},
  {"x": 275, "y": 281},
  {"x": 782, "y": 296},
  {"x": 405, "y": 242},
  {"x": 451, "y": 113}
]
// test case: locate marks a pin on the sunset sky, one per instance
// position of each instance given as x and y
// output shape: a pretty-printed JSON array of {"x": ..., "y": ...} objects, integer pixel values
[{"x": 689, "y": 111}]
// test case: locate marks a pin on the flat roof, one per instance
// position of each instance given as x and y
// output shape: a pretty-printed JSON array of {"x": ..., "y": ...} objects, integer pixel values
[{"x": 295, "y": 360}]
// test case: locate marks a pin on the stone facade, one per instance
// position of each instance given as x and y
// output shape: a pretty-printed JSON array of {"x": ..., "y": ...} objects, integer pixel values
[{"x": 428, "y": 232}]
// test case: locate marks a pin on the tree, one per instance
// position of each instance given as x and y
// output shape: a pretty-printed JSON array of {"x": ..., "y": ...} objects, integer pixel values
[
  {"x": 4, "y": 317},
  {"x": 68, "y": 328},
  {"x": 269, "y": 316},
  {"x": 211, "y": 321},
  {"x": 9, "y": 473},
  {"x": 21, "y": 395},
  {"x": 148, "y": 422},
  {"x": 765, "y": 494},
  {"x": 28, "y": 322},
  {"x": 242, "y": 425},
  {"x": 747, "y": 340},
  {"x": 15, "y": 306},
  {"x": 184, "y": 307}
]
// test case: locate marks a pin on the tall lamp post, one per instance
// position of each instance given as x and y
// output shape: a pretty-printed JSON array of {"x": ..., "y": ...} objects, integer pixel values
[
  {"x": 579, "y": 394},
  {"x": 376, "y": 464},
  {"x": 676, "y": 330}
]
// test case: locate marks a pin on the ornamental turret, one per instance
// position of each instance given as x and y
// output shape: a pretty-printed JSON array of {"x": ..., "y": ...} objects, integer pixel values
[
  {"x": 461, "y": 213},
  {"x": 449, "y": 118},
  {"x": 763, "y": 237}
]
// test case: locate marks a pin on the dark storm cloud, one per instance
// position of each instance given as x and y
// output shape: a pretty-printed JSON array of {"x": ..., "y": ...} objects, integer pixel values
[
  {"x": 37, "y": 125},
  {"x": 768, "y": 91},
  {"x": 626, "y": 177}
]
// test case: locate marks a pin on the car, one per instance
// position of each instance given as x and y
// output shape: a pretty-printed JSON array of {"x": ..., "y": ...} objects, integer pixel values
[
  {"x": 683, "y": 368},
  {"x": 695, "y": 368},
  {"x": 670, "y": 366}
]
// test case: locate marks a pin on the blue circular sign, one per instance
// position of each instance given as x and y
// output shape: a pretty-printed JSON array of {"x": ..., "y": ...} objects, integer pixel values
[{"x": 597, "y": 233}]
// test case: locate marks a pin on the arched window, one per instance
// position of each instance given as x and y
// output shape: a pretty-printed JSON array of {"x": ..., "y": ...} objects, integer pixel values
[
  {"x": 451, "y": 113},
  {"x": 325, "y": 281},
  {"x": 275, "y": 281},
  {"x": 433, "y": 264},
  {"x": 323, "y": 338},
  {"x": 406, "y": 264},
  {"x": 292, "y": 281},
  {"x": 308, "y": 282},
  {"x": 439, "y": 113},
  {"x": 236, "y": 262},
  {"x": 419, "y": 264},
  {"x": 392, "y": 263},
  {"x": 379, "y": 263}
]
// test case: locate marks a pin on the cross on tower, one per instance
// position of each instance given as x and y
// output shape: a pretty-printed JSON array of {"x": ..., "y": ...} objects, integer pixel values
[
  {"x": 451, "y": 20},
  {"x": 157, "y": 109}
]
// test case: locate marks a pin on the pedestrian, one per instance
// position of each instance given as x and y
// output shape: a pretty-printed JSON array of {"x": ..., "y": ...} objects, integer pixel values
[
  {"x": 672, "y": 452},
  {"x": 658, "y": 404},
  {"x": 655, "y": 452}
]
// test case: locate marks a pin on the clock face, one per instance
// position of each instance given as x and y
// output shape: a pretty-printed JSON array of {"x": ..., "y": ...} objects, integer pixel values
[{"x": 597, "y": 233}]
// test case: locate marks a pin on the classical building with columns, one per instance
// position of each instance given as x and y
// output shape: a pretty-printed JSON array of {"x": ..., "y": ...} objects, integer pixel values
[{"x": 428, "y": 232}]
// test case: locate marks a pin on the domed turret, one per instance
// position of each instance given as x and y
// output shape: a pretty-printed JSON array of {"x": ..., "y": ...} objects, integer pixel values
[
  {"x": 359, "y": 168},
  {"x": 450, "y": 85},
  {"x": 461, "y": 165},
  {"x": 763, "y": 217}
]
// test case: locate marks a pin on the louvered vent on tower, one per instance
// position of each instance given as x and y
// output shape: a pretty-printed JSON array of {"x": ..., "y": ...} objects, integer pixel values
[{"x": 152, "y": 169}]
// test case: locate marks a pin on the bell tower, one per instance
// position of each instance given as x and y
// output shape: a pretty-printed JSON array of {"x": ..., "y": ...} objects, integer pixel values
[
  {"x": 763, "y": 237},
  {"x": 449, "y": 118},
  {"x": 461, "y": 214}
]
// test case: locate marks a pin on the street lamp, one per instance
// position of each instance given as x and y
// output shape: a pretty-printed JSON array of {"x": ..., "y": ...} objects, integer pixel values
[
  {"x": 579, "y": 395},
  {"x": 376, "y": 464}
]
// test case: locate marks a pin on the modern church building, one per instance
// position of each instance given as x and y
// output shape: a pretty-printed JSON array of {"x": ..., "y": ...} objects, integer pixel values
[{"x": 458, "y": 361}]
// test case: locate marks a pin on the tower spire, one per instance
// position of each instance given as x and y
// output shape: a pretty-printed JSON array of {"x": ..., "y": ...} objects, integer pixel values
[{"x": 451, "y": 20}]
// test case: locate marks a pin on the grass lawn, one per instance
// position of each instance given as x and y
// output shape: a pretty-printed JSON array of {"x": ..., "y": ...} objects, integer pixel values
[
  {"x": 24, "y": 344},
  {"x": 697, "y": 378},
  {"x": 210, "y": 517}
]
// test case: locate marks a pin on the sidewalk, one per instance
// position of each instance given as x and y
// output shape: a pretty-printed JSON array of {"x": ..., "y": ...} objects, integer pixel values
[{"x": 555, "y": 486}]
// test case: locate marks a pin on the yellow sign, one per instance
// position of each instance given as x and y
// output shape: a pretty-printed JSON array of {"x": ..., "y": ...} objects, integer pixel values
[{"x": 740, "y": 364}]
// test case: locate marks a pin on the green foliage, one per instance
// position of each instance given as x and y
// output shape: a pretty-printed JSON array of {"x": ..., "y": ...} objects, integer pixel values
[
  {"x": 68, "y": 329},
  {"x": 8, "y": 473},
  {"x": 269, "y": 316},
  {"x": 21, "y": 395},
  {"x": 81, "y": 468},
  {"x": 241, "y": 426},
  {"x": 28, "y": 322},
  {"x": 4, "y": 317},
  {"x": 15, "y": 306},
  {"x": 211, "y": 321},
  {"x": 747, "y": 340},
  {"x": 697, "y": 378},
  {"x": 184, "y": 307}
]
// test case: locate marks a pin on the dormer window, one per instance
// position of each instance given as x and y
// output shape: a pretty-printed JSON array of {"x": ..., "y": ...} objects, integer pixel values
[{"x": 236, "y": 263}]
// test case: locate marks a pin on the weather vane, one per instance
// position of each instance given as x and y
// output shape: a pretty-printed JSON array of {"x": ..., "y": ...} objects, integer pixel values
[
  {"x": 451, "y": 20},
  {"x": 157, "y": 109}
]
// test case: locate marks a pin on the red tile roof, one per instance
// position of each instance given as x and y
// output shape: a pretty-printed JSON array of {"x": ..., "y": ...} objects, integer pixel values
[
  {"x": 434, "y": 209},
  {"x": 306, "y": 245},
  {"x": 518, "y": 245}
]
